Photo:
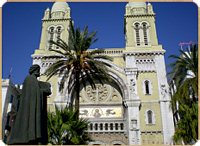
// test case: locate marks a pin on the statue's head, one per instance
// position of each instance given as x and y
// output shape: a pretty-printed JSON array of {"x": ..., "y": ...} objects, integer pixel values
[{"x": 35, "y": 70}]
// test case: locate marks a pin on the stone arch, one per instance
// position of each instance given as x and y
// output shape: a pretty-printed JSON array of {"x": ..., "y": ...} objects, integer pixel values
[
  {"x": 117, "y": 79},
  {"x": 135, "y": 22},
  {"x": 97, "y": 142},
  {"x": 120, "y": 82},
  {"x": 117, "y": 142},
  {"x": 145, "y": 22}
]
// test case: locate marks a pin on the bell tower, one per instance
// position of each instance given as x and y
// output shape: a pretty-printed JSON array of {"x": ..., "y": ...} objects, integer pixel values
[
  {"x": 139, "y": 22},
  {"x": 55, "y": 25},
  {"x": 146, "y": 73}
]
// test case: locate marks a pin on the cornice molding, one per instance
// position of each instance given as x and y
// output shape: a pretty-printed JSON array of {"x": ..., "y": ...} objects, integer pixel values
[
  {"x": 140, "y": 15},
  {"x": 50, "y": 20},
  {"x": 144, "y": 53}
]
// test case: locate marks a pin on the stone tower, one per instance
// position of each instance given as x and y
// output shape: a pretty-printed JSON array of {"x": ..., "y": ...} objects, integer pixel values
[
  {"x": 134, "y": 108},
  {"x": 145, "y": 66}
]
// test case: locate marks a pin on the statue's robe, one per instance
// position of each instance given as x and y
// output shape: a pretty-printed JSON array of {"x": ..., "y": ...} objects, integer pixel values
[{"x": 30, "y": 123}]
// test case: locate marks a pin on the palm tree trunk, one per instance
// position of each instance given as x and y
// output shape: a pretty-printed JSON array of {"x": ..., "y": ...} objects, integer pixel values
[{"x": 77, "y": 86}]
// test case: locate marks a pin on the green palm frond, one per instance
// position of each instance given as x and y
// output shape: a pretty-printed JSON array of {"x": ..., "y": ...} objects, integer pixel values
[
  {"x": 185, "y": 74},
  {"x": 65, "y": 129},
  {"x": 78, "y": 64}
]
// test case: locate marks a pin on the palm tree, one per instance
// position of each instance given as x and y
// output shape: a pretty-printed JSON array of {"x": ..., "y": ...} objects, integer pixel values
[
  {"x": 64, "y": 129},
  {"x": 185, "y": 66},
  {"x": 187, "y": 126},
  {"x": 77, "y": 64},
  {"x": 185, "y": 74}
]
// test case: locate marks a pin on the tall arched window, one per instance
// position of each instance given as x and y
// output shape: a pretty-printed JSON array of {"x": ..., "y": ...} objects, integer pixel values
[
  {"x": 51, "y": 32},
  {"x": 58, "y": 35},
  {"x": 101, "y": 126},
  {"x": 96, "y": 126},
  {"x": 111, "y": 126},
  {"x": 150, "y": 116},
  {"x": 146, "y": 86},
  {"x": 121, "y": 126},
  {"x": 137, "y": 33},
  {"x": 106, "y": 126},
  {"x": 145, "y": 33},
  {"x": 91, "y": 126},
  {"x": 116, "y": 126}
]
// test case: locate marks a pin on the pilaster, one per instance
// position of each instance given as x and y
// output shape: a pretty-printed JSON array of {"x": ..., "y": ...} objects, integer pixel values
[
  {"x": 133, "y": 102},
  {"x": 164, "y": 99}
]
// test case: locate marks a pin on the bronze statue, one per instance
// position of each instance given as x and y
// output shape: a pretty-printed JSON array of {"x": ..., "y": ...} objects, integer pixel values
[{"x": 31, "y": 121}]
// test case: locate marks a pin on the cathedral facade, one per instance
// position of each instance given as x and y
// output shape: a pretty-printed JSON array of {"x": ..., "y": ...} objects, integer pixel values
[{"x": 132, "y": 109}]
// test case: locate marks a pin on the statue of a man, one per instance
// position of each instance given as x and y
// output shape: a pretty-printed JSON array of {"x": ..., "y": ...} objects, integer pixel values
[{"x": 31, "y": 120}]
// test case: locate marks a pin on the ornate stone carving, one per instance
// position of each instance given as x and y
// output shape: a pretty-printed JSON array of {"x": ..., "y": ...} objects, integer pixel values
[
  {"x": 163, "y": 90},
  {"x": 98, "y": 94},
  {"x": 132, "y": 85}
]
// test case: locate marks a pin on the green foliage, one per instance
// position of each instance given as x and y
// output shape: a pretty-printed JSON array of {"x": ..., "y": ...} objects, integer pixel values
[
  {"x": 187, "y": 127},
  {"x": 185, "y": 65},
  {"x": 65, "y": 129},
  {"x": 76, "y": 63},
  {"x": 185, "y": 74}
]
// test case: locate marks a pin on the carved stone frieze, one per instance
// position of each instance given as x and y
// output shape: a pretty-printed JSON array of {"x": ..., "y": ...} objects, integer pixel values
[{"x": 104, "y": 94}]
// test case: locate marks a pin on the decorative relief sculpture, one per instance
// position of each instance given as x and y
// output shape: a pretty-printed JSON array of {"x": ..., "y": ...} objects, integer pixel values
[
  {"x": 98, "y": 94},
  {"x": 132, "y": 86},
  {"x": 163, "y": 90},
  {"x": 114, "y": 98},
  {"x": 104, "y": 112}
]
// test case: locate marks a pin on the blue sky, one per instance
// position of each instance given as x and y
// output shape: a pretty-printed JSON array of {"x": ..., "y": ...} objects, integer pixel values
[{"x": 175, "y": 22}]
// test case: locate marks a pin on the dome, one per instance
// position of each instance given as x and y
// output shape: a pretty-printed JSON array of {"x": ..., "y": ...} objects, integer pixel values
[
  {"x": 137, "y": 5},
  {"x": 59, "y": 7}
]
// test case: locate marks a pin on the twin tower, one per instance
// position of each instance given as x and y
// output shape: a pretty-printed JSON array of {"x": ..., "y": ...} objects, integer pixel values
[{"x": 133, "y": 109}]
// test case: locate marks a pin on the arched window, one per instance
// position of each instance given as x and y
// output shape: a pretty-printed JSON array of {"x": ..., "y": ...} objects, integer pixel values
[
  {"x": 145, "y": 33},
  {"x": 51, "y": 32},
  {"x": 149, "y": 115},
  {"x": 106, "y": 126},
  {"x": 137, "y": 33},
  {"x": 91, "y": 126},
  {"x": 116, "y": 126},
  {"x": 111, "y": 126},
  {"x": 101, "y": 126},
  {"x": 96, "y": 126},
  {"x": 146, "y": 86},
  {"x": 58, "y": 35},
  {"x": 121, "y": 126}
]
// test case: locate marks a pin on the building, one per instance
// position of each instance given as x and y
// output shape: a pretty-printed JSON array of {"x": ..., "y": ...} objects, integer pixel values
[
  {"x": 10, "y": 100},
  {"x": 132, "y": 109}
]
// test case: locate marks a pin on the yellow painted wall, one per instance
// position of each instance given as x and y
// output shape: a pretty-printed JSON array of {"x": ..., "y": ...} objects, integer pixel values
[
  {"x": 53, "y": 80},
  {"x": 152, "y": 139},
  {"x": 153, "y": 78},
  {"x": 156, "y": 109}
]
